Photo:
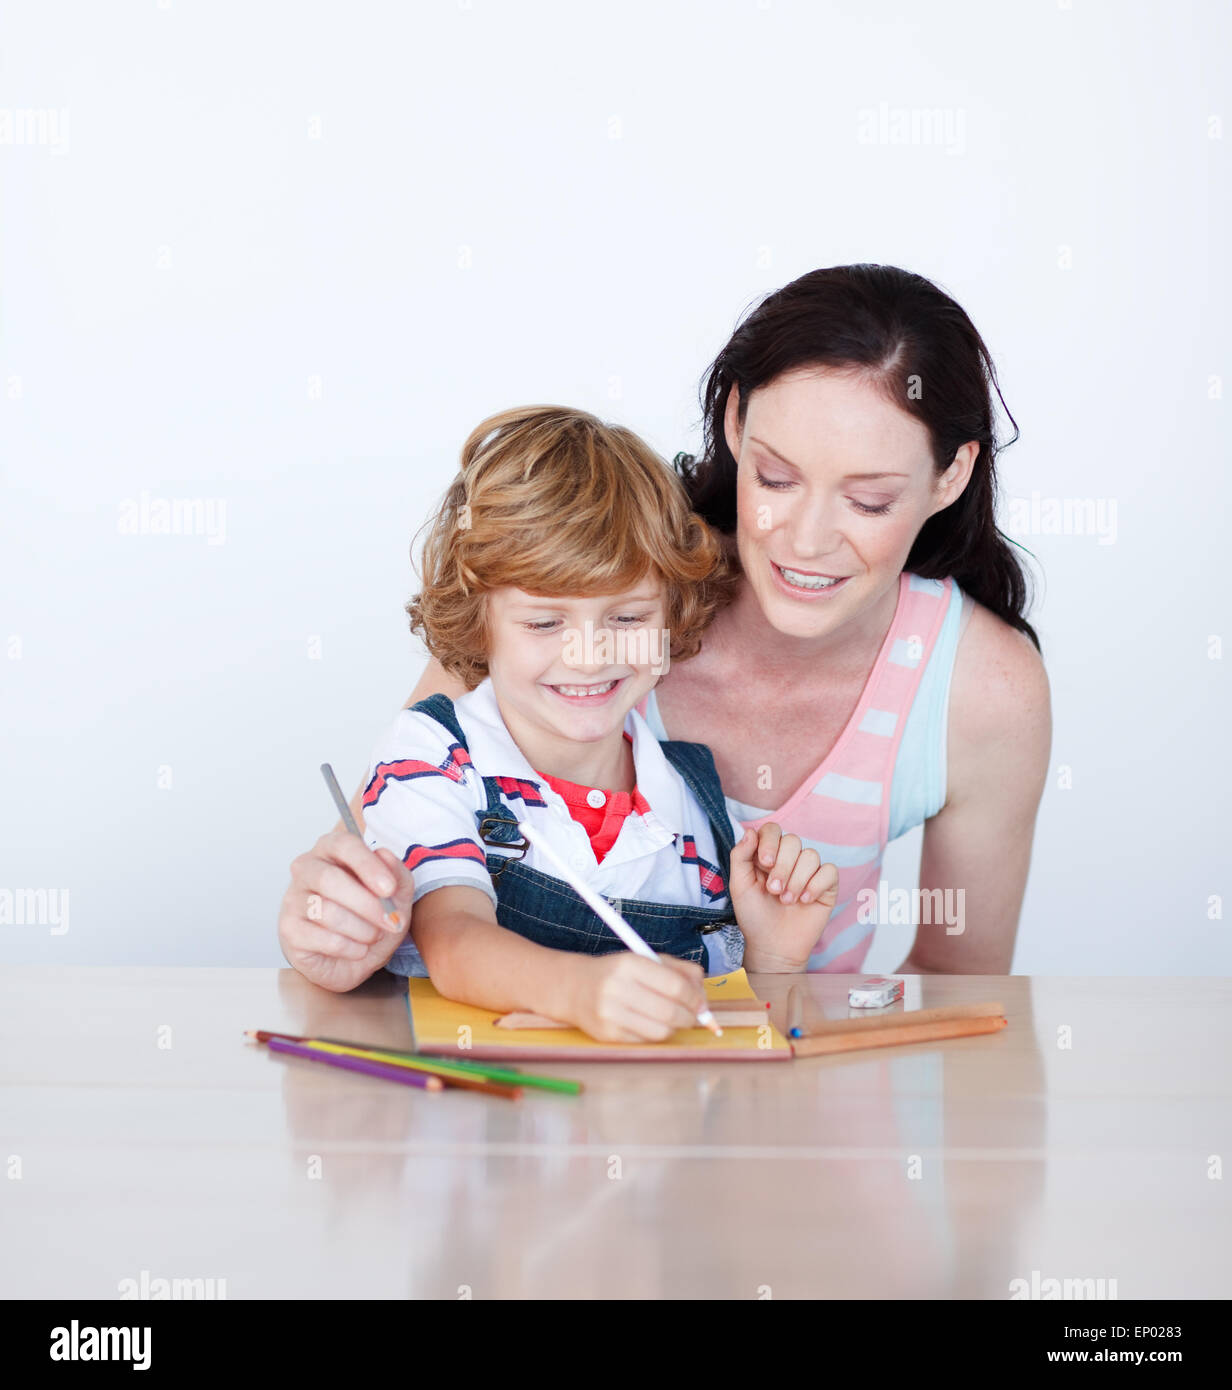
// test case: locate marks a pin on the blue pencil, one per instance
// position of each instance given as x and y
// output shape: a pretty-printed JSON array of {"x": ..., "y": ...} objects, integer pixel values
[{"x": 794, "y": 1008}]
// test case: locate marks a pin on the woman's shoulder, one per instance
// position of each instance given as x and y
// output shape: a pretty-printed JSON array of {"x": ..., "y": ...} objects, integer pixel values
[{"x": 999, "y": 693}]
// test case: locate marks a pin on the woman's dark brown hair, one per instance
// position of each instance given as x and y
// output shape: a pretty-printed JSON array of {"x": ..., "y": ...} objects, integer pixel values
[{"x": 927, "y": 357}]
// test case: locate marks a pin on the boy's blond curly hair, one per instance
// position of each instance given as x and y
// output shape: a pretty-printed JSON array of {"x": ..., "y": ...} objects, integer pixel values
[{"x": 555, "y": 502}]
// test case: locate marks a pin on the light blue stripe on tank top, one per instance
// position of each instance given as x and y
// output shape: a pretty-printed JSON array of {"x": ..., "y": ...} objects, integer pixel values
[
  {"x": 882, "y": 722},
  {"x": 852, "y": 789},
  {"x": 917, "y": 790},
  {"x": 919, "y": 585}
]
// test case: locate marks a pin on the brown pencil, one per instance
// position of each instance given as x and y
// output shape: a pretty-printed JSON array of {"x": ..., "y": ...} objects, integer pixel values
[{"x": 816, "y": 1044}]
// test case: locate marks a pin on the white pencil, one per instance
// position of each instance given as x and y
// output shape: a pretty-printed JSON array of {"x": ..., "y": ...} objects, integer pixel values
[{"x": 605, "y": 910}]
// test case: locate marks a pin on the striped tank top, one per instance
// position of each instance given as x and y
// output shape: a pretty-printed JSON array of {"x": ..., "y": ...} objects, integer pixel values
[{"x": 886, "y": 771}]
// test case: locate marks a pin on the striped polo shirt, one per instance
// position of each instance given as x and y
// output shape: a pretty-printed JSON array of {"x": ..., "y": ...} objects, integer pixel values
[{"x": 424, "y": 789}]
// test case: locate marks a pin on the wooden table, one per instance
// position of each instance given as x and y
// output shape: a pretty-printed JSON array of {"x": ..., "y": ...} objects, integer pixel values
[{"x": 139, "y": 1133}]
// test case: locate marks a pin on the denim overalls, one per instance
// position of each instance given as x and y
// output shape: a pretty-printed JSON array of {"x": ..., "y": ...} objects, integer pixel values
[{"x": 548, "y": 911}]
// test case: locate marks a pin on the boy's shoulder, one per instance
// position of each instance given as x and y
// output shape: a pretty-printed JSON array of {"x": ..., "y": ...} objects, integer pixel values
[
  {"x": 461, "y": 735},
  {"x": 421, "y": 726},
  {"x": 448, "y": 719},
  {"x": 415, "y": 746}
]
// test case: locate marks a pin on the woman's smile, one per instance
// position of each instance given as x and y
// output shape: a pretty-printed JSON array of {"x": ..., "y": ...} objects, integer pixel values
[{"x": 807, "y": 583}]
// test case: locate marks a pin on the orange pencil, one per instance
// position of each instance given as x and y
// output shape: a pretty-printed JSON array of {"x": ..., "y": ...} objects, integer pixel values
[
  {"x": 814, "y": 1045},
  {"x": 907, "y": 1018}
]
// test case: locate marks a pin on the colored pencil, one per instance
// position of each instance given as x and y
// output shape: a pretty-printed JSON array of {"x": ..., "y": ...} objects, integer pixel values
[
  {"x": 423, "y": 1080},
  {"x": 814, "y": 1045},
  {"x": 605, "y": 912},
  {"x": 391, "y": 912},
  {"x": 794, "y": 1013},
  {"x": 441, "y": 1066},
  {"x": 450, "y": 1076},
  {"x": 904, "y": 1018}
]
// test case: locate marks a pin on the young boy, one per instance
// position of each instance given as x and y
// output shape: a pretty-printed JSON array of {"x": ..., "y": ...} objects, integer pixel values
[{"x": 562, "y": 572}]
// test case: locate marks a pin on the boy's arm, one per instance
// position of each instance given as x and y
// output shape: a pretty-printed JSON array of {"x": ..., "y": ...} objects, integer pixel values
[
  {"x": 473, "y": 959},
  {"x": 619, "y": 997},
  {"x": 421, "y": 803},
  {"x": 420, "y": 800}
]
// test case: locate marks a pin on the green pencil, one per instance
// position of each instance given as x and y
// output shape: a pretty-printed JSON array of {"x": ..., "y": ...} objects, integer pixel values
[
  {"x": 448, "y": 1064},
  {"x": 441, "y": 1065}
]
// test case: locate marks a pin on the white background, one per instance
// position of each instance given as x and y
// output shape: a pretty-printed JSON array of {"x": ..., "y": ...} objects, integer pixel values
[{"x": 285, "y": 256}]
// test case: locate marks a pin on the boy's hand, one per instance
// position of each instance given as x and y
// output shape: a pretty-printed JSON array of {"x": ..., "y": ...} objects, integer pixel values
[
  {"x": 782, "y": 895},
  {"x": 331, "y": 926},
  {"x": 626, "y": 998}
]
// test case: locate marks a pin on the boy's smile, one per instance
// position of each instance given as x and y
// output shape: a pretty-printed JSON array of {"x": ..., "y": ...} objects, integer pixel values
[{"x": 589, "y": 694}]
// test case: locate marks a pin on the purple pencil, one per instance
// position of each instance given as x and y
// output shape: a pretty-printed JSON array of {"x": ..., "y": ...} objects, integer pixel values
[{"x": 425, "y": 1080}]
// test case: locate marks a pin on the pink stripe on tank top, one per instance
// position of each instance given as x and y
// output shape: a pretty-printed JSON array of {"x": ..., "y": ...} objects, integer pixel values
[{"x": 843, "y": 806}]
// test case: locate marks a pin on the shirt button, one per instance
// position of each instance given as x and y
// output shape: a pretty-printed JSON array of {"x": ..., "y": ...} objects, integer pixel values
[{"x": 595, "y": 798}]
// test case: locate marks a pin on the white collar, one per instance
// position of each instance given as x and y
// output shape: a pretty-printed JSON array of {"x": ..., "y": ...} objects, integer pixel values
[{"x": 495, "y": 754}]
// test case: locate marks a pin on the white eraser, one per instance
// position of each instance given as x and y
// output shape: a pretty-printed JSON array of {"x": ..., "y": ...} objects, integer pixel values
[{"x": 874, "y": 993}]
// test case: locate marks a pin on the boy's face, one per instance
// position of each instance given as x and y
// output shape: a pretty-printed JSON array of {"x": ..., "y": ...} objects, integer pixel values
[{"x": 573, "y": 668}]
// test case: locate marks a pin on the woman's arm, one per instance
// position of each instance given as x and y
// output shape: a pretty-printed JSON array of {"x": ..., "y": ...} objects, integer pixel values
[
  {"x": 331, "y": 925},
  {"x": 977, "y": 848}
]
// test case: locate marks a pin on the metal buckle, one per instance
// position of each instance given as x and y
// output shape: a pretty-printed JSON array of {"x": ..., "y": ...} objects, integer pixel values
[
  {"x": 714, "y": 926},
  {"x": 520, "y": 844}
]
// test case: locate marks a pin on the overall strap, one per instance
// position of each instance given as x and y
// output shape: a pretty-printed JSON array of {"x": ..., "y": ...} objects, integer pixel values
[
  {"x": 496, "y": 825},
  {"x": 440, "y": 708},
  {"x": 695, "y": 763}
]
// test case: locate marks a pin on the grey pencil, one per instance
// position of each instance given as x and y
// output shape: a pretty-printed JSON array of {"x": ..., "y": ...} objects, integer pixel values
[{"x": 391, "y": 912}]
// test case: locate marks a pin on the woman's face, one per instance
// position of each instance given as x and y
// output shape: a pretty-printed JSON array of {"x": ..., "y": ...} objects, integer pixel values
[{"x": 833, "y": 485}]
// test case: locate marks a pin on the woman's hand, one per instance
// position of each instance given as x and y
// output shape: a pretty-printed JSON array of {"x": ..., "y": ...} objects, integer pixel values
[
  {"x": 331, "y": 925},
  {"x": 782, "y": 895},
  {"x": 626, "y": 998}
]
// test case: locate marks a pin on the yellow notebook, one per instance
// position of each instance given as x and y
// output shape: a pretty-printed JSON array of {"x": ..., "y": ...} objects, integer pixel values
[{"x": 443, "y": 1028}]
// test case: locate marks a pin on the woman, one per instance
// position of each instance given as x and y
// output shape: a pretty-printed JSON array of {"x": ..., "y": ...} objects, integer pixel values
[{"x": 875, "y": 669}]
